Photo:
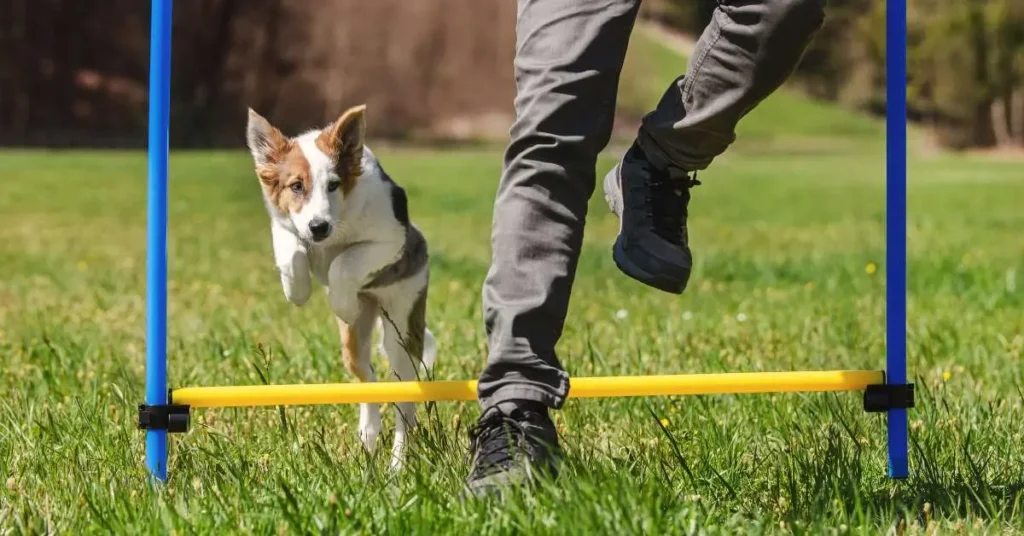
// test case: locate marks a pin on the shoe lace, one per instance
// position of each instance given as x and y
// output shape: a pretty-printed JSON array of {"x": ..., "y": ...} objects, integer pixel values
[
  {"x": 668, "y": 198},
  {"x": 492, "y": 438}
]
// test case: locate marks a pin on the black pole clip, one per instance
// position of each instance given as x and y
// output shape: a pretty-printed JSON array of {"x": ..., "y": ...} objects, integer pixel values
[
  {"x": 884, "y": 397},
  {"x": 171, "y": 417}
]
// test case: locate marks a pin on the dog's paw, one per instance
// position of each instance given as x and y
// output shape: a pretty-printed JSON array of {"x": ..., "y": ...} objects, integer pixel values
[
  {"x": 397, "y": 463},
  {"x": 296, "y": 289},
  {"x": 369, "y": 437},
  {"x": 398, "y": 453},
  {"x": 370, "y": 426},
  {"x": 429, "y": 352}
]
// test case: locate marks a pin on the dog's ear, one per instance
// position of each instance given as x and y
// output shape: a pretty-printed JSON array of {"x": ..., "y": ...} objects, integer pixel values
[
  {"x": 265, "y": 141},
  {"x": 342, "y": 140}
]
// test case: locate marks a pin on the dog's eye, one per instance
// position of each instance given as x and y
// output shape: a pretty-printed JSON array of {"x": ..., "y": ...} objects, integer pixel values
[
  {"x": 333, "y": 185},
  {"x": 297, "y": 187}
]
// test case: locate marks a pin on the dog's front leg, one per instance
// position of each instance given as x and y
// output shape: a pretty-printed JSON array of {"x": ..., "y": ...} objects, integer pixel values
[
  {"x": 352, "y": 269},
  {"x": 355, "y": 320},
  {"x": 345, "y": 278},
  {"x": 293, "y": 264}
]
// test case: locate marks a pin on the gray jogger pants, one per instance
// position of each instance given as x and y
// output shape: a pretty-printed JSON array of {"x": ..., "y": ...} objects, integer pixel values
[{"x": 569, "y": 54}]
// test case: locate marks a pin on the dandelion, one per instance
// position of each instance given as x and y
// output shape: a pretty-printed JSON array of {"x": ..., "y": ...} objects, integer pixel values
[
  {"x": 946, "y": 375},
  {"x": 621, "y": 314},
  {"x": 688, "y": 315},
  {"x": 742, "y": 317},
  {"x": 871, "y": 268},
  {"x": 664, "y": 422}
]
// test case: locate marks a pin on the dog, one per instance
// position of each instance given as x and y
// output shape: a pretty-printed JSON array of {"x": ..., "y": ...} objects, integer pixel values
[{"x": 337, "y": 216}]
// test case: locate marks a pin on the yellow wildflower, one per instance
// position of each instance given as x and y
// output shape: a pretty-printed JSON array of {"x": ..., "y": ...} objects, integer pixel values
[
  {"x": 871, "y": 268},
  {"x": 664, "y": 422},
  {"x": 946, "y": 375}
]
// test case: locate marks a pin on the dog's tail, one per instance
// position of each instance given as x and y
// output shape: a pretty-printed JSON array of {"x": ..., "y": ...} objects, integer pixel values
[{"x": 429, "y": 352}]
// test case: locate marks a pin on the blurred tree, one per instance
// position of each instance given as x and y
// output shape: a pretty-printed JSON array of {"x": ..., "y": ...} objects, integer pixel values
[
  {"x": 1006, "y": 20},
  {"x": 74, "y": 72},
  {"x": 965, "y": 62}
]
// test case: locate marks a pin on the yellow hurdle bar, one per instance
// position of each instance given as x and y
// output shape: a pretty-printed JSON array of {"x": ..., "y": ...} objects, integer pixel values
[{"x": 596, "y": 387}]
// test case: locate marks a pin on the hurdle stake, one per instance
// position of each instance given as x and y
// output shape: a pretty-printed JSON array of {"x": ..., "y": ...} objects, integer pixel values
[
  {"x": 156, "y": 237},
  {"x": 896, "y": 228}
]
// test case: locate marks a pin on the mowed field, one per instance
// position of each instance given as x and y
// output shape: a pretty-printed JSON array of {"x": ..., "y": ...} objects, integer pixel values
[{"x": 788, "y": 237}]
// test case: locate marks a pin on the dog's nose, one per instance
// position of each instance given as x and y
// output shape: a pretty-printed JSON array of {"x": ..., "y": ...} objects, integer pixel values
[{"x": 319, "y": 229}]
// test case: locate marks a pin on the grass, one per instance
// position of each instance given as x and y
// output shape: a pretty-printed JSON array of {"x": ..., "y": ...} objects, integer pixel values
[
  {"x": 790, "y": 272},
  {"x": 788, "y": 236}
]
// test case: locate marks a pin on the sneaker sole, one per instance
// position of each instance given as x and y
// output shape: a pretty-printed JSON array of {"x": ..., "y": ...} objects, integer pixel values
[
  {"x": 493, "y": 485},
  {"x": 626, "y": 265}
]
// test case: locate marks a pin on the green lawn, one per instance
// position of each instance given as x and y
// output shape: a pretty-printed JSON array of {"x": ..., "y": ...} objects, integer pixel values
[
  {"x": 784, "y": 247},
  {"x": 787, "y": 232}
]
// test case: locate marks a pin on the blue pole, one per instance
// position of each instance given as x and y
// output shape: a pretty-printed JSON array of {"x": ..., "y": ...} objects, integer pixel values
[
  {"x": 896, "y": 226},
  {"x": 156, "y": 246}
]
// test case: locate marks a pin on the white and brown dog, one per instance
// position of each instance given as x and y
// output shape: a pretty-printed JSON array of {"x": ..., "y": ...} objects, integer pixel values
[{"x": 337, "y": 215}]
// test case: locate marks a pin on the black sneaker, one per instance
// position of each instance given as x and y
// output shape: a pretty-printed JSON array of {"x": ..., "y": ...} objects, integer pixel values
[
  {"x": 652, "y": 246},
  {"x": 513, "y": 449}
]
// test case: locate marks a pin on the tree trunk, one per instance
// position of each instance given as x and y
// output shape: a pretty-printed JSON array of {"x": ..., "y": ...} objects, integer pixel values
[
  {"x": 1016, "y": 116},
  {"x": 1001, "y": 126},
  {"x": 982, "y": 133}
]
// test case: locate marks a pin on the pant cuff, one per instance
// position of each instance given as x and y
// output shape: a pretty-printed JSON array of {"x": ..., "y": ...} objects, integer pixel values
[
  {"x": 661, "y": 159},
  {"x": 523, "y": 392}
]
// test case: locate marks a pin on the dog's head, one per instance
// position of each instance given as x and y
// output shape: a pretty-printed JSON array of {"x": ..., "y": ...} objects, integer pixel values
[{"x": 307, "y": 178}]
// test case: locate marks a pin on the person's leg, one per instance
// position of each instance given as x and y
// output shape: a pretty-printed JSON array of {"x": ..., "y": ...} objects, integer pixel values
[
  {"x": 745, "y": 53},
  {"x": 569, "y": 55},
  {"x": 568, "y": 58}
]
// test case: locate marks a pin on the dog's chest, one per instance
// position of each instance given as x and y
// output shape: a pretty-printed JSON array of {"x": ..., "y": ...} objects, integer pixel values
[
  {"x": 319, "y": 264},
  {"x": 320, "y": 259},
  {"x": 364, "y": 261}
]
